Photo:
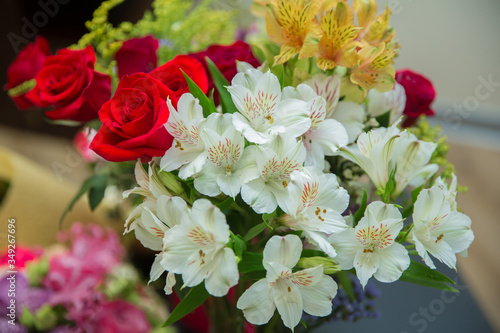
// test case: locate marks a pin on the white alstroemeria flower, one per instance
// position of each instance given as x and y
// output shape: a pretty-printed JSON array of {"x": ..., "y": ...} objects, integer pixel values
[
  {"x": 152, "y": 219},
  {"x": 230, "y": 164},
  {"x": 437, "y": 229},
  {"x": 262, "y": 111},
  {"x": 349, "y": 114},
  {"x": 315, "y": 205},
  {"x": 196, "y": 248},
  {"x": 187, "y": 151},
  {"x": 450, "y": 191},
  {"x": 307, "y": 290},
  {"x": 150, "y": 186},
  {"x": 370, "y": 246},
  {"x": 325, "y": 136},
  {"x": 381, "y": 150},
  {"x": 243, "y": 66},
  {"x": 275, "y": 162},
  {"x": 393, "y": 101}
]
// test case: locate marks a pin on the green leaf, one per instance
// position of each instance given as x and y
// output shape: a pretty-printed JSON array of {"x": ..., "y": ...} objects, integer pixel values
[
  {"x": 383, "y": 120},
  {"x": 96, "y": 194},
  {"x": 414, "y": 194},
  {"x": 251, "y": 262},
  {"x": 267, "y": 218},
  {"x": 224, "y": 205},
  {"x": 254, "y": 231},
  {"x": 239, "y": 244},
  {"x": 390, "y": 186},
  {"x": 96, "y": 181},
  {"x": 361, "y": 210},
  {"x": 422, "y": 275},
  {"x": 405, "y": 234},
  {"x": 221, "y": 83},
  {"x": 346, "y": 284},
  {"x": 279, "y": 71},
  {"x": 208, "y": 107},
  {"x": 194, "y": 298}
]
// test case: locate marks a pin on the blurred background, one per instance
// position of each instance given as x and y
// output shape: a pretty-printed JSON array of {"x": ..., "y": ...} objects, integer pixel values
[{"x": 453, "y": 42}]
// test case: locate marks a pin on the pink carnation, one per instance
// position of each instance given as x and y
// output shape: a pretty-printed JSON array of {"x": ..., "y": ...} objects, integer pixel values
[{"x": 74, "y": 275}]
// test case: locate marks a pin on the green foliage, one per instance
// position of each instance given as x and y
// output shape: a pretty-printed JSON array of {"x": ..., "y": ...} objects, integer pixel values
[
  {"x": 361, "y": 210},
  {"x": 425, "y": 276},
  {"x": 194, "y": 298}
]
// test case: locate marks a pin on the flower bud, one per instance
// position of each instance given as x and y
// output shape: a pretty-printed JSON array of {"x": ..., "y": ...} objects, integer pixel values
[
  {"x": 170, "y": 182},
  {"x": 330, "y": 266}
]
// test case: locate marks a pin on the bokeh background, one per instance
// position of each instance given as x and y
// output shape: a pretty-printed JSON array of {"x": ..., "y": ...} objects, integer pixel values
[{"x": 453, "y": 42}]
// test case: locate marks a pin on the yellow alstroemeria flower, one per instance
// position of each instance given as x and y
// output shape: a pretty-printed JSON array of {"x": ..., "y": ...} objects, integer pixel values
[
  {"x": 374, "y": 68},
  {"x": 293, "y": 25},
  {"x": 337, "y": 46},
  {"x": 376, "y": 30}
]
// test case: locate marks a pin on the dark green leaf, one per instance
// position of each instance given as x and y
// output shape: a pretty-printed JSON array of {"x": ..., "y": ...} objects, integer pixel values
[
  {"x": 361, "y": 210},
  {"x": 194, "y": 298},
  {"x": 94, "y": 181},
  {"x": 414, "y": 194},
  {"x": 422, "y": 275},
  {"x": 251, "y": 262},
  {"x": 384, "y": 119},
  {"x": 405, "y": 234},
  {"x": 390, "y": 186},
  {"x": 254, "y": 231},
  {"x": 96, "y": 194},
  {"x": 239, "y": 244},
  {"x": 224, "y": 205},
  {"x": 208, "y": 107},
  {"x": 221, "y": 84}
]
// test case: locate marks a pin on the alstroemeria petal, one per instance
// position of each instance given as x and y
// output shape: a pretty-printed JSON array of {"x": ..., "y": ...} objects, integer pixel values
[
  {"x": 225, "y": 274},
  {"x": 288, "y": 300},
  {"x": 394, "y": 260},
  {"x": 366, "y": 264},
  {"x": 317, "y": 299},
  {"x": 257, "y": 303},
  {"x": 283, "y": 250}
]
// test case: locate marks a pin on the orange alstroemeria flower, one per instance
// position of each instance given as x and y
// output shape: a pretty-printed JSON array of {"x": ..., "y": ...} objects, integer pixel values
[
  {"x": 337, "y": 46},
  {"x": 293, "y": 25},
  {"x": 374, "y": 68}
]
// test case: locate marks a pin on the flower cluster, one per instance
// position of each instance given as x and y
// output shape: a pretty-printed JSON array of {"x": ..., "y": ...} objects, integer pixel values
[
  {"x": 273, "y": 168},
  {"x": 86, "y": 288}
]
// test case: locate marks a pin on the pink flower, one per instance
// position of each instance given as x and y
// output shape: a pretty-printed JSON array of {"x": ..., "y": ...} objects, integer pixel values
[
  {"x": 74, "y": 275},
  {"x": 81, "y": 142},
  {"x": 120, "y": 317},
  {"x": 23, "y": 255}
]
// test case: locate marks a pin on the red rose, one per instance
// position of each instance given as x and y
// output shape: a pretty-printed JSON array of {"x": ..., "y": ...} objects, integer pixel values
[
  {"x": 171, "y": 76},
  {"x": 68, "y": 82},
  {"x": 137, "y": 55},
  {"x": 420, "y": 94},
  {"x": 25, "y": 67},
  {"x": 224, "y": 57},
  {"x": 132, "y": 121}
]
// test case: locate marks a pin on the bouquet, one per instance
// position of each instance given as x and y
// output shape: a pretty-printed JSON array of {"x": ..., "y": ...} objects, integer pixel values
[
  {"x": 85, "y": 288},
  {"x": 268, "y": 176}
]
